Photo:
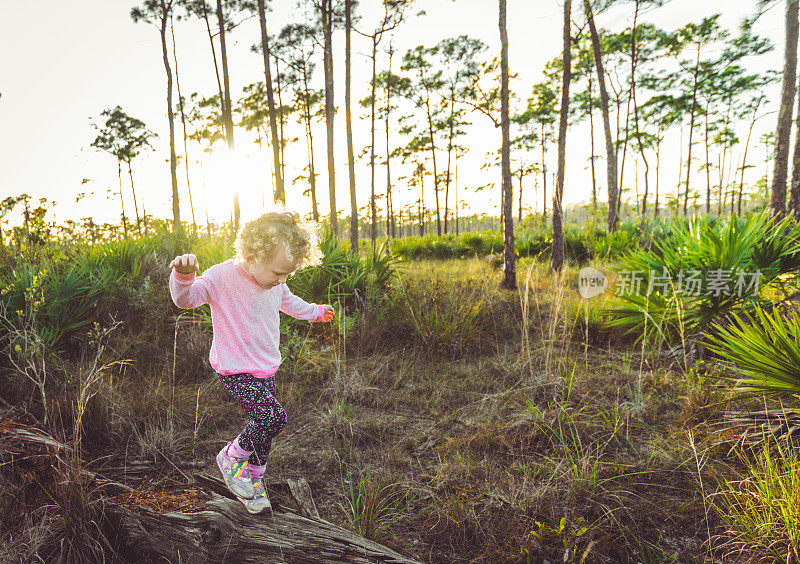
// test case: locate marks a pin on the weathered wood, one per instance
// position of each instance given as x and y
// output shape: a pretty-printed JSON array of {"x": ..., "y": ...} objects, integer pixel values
[
  {"x": 225, "y": 531},
  {"x": 301, "y": 492}
]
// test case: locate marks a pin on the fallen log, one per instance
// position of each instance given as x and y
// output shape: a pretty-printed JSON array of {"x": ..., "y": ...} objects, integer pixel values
[
  {"x": 301, "y": 492},
  {"x": 225, "y": 531},
  {"x": 211, "y": 526}
]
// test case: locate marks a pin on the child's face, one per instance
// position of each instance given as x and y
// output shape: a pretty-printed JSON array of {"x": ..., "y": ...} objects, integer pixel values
[{"x": 274, "y": 272}]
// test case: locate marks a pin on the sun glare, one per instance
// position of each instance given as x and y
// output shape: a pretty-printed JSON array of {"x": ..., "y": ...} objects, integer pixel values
[{"x": 226, "y": 172}]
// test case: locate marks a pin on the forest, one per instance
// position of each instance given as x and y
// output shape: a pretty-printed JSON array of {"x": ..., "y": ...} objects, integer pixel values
[{"x": 566, "y": 323}]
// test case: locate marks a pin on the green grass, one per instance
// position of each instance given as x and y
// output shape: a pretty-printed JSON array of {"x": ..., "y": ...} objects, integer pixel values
[
  {"x": 464, "y": 415},
  {"x": 761, "y": 508}
]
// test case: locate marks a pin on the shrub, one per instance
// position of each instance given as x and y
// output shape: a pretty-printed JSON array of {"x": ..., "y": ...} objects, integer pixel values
[
  {"x": 342, "y": 276},
  {"x": 725, "y": 250},
  {"x": 763, "y": 350}
]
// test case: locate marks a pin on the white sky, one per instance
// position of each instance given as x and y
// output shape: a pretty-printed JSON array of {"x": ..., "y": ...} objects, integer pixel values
[{"x": 65, "y": 62}]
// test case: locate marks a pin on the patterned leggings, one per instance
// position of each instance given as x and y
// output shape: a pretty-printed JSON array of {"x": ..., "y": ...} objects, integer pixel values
[{"x": 267, "y": 417}]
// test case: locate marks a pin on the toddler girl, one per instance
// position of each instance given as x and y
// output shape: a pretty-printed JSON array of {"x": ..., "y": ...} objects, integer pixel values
[{"x": 246, "y": 294}]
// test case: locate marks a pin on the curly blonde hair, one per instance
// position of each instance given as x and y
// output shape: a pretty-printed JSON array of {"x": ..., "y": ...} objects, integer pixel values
[{"x": 257, "y": 239}]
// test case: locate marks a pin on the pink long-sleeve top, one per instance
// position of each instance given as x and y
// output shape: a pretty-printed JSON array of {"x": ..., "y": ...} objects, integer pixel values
[{"x": 245, "y": 316}]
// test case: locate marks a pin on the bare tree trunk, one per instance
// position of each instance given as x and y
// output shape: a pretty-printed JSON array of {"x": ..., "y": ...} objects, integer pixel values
[
  {"x": 449, "y": 150},
  {"x": 625, "y": 149},
  {"x": 390, "y": 211},
  {"x": 421, "y": 202},
  {"x": 784, "y": 133},
  {"x": 121, "y": 203},
  {"x": 744, "y": 158},
  {"x": 558, "y": 230},
  {"x": 348, "y": 6},
  {"x": 658, "y": 163},
  {"x": 544, "y": 181},
  {"x": 312, "y": 175},
  {"x": 725, "y": 146},
  {"x": 794, "y": 194},
  {"x": 185, "y": 136},
  {"x": 226, "y": 110},
  {"x": 373, "y": 207},
  {"x": 433, "y": 153},
  {"x": 455, "y": 189},
  {"x": 177, "y": 227},
  {"x": 214, "y": 56},
  {"x": 327, "y": 27},
  {"x": 591, "y": 143},
  {"x": 636, "y": 115},
  {"x": 611, "y": 155},
  {"x": 691, "y": 131},
  {"x": 708, "y": 178},
  {"x": 135, "y": 204},
  {"x": 281, "y": 120},
  {"x": 280, "y": 192}
]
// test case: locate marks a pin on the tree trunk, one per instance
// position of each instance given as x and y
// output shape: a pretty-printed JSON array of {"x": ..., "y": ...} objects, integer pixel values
[
  {"x": 390, "y": 211},
  {"x": 433, "y": 154},
  {"x": 591, "y": 143},
  {"x": 226, "y": 110},
  {"x": 280, "y": 536},
  {"x": 121, "y": 203},
  {"x": 449, "y": 150},
  {"x": 327, "y": 27},
  {"x": 135, "y": 204},
  {"x": 558, "y": 232},
  {"x": 636, "y": 115},
  {"x": 214, "y": 56},
  {"x": 205, "y": 526},
  {"x": 708, "y": 178},
  {"x": 455, "y": 189},
  {"x": 794, "y": 194},
  {"x": 312, "y": 175},
  {"x": 421, "y": 202},
  {"x": 348, "y": 6},
  {"x": 177, "y": 227},
  {"x": 658, "y": 163},
  {"x": 185, "y": 136},
  {"x": 744, "y": 157},
  {"x": 509, "y": 261},
  {"x": 691, "y": 131},
  {"x": 611, "y": 155},
  {"x": 783, "y": 133},
  {"x": 544, "y": 181},
  {"x": 373, "y": 207},
  {"x": 227, "y": 115},
  {"x": 280, "y": 193}
]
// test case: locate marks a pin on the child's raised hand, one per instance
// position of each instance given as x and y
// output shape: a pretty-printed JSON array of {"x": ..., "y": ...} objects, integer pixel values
[
  {"x": 327, "y": 313},
  {"x": 185, "y": 264}
]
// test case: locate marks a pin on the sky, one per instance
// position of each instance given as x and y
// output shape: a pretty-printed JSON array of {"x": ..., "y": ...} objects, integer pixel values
[{"x": 69, "y": 64}]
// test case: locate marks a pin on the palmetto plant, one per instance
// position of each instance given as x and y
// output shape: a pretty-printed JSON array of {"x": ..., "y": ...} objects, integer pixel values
[
  {"x": 342, "y": 274},
  {"x": 58, "y": 301},
  {"x": 762, "y": 349},
  {"x": 754, "y": 257}
]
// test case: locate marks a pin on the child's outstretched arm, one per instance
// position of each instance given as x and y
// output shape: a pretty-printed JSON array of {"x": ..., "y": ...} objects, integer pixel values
[
  {"x": 301, "y": 309},
  {"x": 186, "y": 290}
]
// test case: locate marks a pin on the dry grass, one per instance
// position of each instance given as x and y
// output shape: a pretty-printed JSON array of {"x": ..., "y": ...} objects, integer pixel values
[{"x": 497, "y": 410}]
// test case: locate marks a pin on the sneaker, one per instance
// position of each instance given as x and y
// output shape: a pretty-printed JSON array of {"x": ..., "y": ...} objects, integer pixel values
[
  {"x": 235, "y": 473},
  {"x": 260, "y": 501}
]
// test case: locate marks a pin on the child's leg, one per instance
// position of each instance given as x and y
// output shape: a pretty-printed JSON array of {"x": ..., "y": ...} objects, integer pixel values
[
  {"x": 267, "y": 417},
  {"x": 272, "y": 420}
]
